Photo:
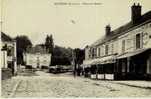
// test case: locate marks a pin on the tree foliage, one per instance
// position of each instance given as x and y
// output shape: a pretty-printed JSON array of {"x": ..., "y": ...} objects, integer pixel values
[
  {"x": 49, "y": 44},
  {"x": 79, "y": 55},
  {"x": 22, "y": 43},
  {"x": 61, "y": 56}
]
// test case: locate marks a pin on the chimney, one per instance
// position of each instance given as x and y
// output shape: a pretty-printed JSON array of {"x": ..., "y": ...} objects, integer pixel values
[
  {"x": 108, "y": 30},
  {"x": 135, "y": 13}
]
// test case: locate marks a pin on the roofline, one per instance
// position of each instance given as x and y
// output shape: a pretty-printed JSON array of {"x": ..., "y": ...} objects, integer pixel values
[{"x": 117, "y": 35}]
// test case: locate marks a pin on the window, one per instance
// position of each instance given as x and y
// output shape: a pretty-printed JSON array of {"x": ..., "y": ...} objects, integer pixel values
[
  {"x": 112, "y": 49},
  {"x": 123, "y": 46},
  {"x": 98, "y": 52},
  {"x": 9, "y": 52},
  {"x": 138, "y": 41},
  {"x": 93, "y": 53},
  {"x": 106, "y": 49}
]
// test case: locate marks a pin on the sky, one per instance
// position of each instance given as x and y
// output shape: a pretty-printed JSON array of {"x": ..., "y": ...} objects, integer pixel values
[{"x": 72, "y": 26}]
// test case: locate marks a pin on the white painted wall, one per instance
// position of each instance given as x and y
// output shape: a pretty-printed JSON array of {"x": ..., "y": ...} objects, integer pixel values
[
  {"x": 45, "y": 59},
  {"x": 130, "y": 38},
  {"x": 87, "y": 52},
  {"x": 11, "y": 58},
  {"x": 147, "y": 36},
  {"x": 4, "y": 59},
  {"x": 32, "y": 59}
]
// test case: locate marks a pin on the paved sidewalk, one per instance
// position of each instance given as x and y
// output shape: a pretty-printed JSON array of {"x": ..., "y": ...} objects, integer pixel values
[{"x": 139, "y": 84}]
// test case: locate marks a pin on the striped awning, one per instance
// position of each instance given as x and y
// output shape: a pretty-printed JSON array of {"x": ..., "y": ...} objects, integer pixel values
[{"x": 103, "y": 60}]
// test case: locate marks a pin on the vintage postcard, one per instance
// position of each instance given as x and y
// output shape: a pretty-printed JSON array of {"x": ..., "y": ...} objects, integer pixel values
[{"x": 75, "y": 48}]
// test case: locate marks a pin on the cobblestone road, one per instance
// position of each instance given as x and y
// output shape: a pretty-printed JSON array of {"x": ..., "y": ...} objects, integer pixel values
[{"x": 49, "y": 85}]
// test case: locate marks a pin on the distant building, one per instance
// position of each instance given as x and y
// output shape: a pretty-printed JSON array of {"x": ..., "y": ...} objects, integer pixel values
[
  {"x": 37, "y": 57},
  {"x": 124, "y": 52},
  {"x": 8, "y": 53}
]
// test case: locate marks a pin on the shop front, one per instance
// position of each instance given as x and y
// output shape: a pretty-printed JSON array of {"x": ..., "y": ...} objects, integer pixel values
[
  {"x": 103, "y": 68},
  {"x": 133, "y": 66}
]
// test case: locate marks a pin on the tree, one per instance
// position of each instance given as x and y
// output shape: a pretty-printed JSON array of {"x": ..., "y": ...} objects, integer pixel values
[
  {"x": 61, "y": 56},
  {"x": 22, "y": 43},
  {"x": 49, "y": 44},
  {"x": 78, "y": 55}
]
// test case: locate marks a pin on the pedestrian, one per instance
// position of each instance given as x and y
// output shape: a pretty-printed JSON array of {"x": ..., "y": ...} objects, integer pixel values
[{"x": 74, "y": 73}]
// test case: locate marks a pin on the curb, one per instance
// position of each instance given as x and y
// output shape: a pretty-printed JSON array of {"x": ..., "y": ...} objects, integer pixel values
[{"x": 135, "y": 86}]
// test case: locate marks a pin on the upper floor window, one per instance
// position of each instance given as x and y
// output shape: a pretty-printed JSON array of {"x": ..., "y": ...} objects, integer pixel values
[
  {"x": 123, "y": 46},
  {"x": 112, "y": 46},
  {"x": 98, "y": 51},
  {"x": 138, "y": 41},
  {"x": 93, "y": 53},
  {"x": 106, "y": 49}
]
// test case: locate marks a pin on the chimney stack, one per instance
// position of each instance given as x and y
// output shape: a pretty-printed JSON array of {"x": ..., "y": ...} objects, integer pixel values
[
  {"x": 108, "y": 30},
  {"x": 135, "y": 13}
]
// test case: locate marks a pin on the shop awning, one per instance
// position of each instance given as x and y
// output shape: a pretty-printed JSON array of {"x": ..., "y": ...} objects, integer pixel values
[
  {"x": 102, "y": 60},
  {"x": 105, "y": 60},
  {"x": 87, "y": 63},
  {"x": 134, "y": 53}
]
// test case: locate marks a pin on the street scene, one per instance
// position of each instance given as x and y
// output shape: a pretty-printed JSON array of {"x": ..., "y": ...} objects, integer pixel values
[
  {"x": 42, "y": 84},
  {"x": 75, "y": 49}
]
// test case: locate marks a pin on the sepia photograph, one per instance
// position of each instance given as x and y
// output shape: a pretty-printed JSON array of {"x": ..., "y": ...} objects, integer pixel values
[{"x": 75, "y": 48}]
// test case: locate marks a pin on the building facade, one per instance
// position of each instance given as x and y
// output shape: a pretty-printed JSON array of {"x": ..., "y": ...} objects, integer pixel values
[
  {"x": 37, "y": 57},
  {"x": 37, "y": 60},
  {"x": 124, "y": 52},
  {"x": 8, "y": 56}
]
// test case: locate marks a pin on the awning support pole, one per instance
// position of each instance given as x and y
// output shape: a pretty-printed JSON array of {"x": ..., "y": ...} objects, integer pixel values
[
  {"x": 104, "y": 71},
  {"x": 97, "y": 71}
]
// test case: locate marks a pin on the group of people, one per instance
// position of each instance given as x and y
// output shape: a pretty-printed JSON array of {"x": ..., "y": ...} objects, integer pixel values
[{"x": 81, "y": 72}]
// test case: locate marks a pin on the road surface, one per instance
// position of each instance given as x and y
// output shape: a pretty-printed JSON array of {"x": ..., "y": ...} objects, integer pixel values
[{"x": 42, "y": 84}]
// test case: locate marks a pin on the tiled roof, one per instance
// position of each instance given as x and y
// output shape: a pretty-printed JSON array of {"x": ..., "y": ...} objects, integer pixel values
[
  {"x": 123, "y": 29},
  {"x": 40, "y": 48},
  {"x": 5, "y": 37}
]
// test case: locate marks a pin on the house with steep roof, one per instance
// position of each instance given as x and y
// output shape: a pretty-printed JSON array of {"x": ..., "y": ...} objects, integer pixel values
[{"x": 123, "y": 53}]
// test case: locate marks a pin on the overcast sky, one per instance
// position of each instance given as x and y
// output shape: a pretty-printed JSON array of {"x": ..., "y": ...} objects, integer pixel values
[{"x": 71, "y": 25}]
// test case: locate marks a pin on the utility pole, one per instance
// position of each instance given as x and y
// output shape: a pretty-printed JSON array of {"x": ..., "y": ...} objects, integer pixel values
[{"x": 74, "y": 62}]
